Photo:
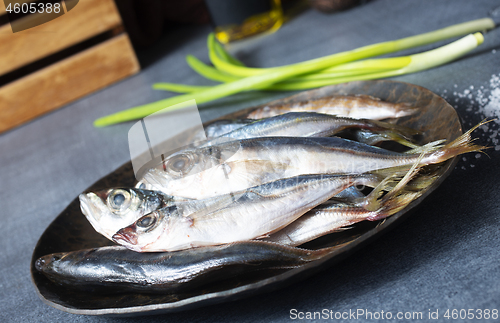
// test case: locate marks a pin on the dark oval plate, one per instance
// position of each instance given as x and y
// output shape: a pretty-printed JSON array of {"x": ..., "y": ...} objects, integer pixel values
[{"x": 71, "y": 231}]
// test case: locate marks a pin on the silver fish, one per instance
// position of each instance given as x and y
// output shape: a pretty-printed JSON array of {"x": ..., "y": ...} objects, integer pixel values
[
  {"x": 334, "y": 217},
  {"x": 310, "y": 124},
  {"x": 117, "y": 269},
  {"x": 352, "y": 106},
  {"x": 337, "y": 214},
  {"x": 255, "y": 212},
  {"x": 237, "y": 165}
]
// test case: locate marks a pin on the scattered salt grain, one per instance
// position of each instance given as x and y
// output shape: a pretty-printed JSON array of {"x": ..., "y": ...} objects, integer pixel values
[{"x": 484, "y": 102}]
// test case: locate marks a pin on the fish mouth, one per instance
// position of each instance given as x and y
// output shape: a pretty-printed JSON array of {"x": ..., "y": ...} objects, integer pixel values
[
  {"x": 84, "y": 204},
  {"x": 40, "y": 264},
  {"x": 88, "y": 205},
  {"x": 126, "y": 235}
]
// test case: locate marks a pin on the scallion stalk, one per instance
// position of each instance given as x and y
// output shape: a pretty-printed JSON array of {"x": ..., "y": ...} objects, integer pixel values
[
  {"x": 412, "y": 63},
  {"x": 362, "y": 52}
]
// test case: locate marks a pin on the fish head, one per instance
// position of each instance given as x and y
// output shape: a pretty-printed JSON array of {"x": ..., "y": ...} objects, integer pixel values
[
  {"x": 71, "y": 268},
  {"x": 152, "y": 232},
  {"x": 182, "y": 170},
  {"x": 112, "y": 209},
  {"x": 58, "y": 264}
]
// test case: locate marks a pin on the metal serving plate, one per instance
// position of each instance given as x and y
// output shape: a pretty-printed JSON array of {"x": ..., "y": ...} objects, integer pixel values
[{"x": 71, "y": 231}]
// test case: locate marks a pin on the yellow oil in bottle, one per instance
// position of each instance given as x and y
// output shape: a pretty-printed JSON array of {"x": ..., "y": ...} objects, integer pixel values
[{"x": 269, "y": 21}]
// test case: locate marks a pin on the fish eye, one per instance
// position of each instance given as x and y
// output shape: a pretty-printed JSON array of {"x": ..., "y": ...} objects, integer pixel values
[
  {"x": 119, "y": 199},
  {"x": 146, "y": 221},
  {"x": 179, "y": 165}
]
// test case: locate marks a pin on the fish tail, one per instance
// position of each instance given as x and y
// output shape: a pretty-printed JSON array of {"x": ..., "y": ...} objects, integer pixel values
[
  {"x": 402, "y": 140},
  {"x": 393, "y": 205},
  {"x": 401, "y": 175},
  {"x": 376, "y": 136},
  {"x": 427, "y": 148},
  {"x": 421, "y": 182},
  {"x": 395, "y": 128},
  {"x": 461, "y": 145}
]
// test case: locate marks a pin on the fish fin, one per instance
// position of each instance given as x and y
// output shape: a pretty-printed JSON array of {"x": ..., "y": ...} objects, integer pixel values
[
  {"x": 427, "y": 148},
  {"x": 373, "y": 201},
  {"x": 387, "y": 135},
  {"x": 421, "y": 182},
  {"x": 399, "y": 129},
  {"x": 412, "y": 172},
  {"x": 461, "y": 145},
  {"x": 393, "y": 205},
  {"x": 383, "y": 173}
]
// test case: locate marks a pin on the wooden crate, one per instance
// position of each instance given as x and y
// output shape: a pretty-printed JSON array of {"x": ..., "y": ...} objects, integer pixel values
[{"x": 79, "y": 52}]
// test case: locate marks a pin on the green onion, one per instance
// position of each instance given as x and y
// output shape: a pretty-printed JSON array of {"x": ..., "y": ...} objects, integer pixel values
[
  {"x": 363, "y": 52},
  {"x": 274, "y": 78},
  {"x": 407, "y": 64},
  {"x": 208, "y": 71}
]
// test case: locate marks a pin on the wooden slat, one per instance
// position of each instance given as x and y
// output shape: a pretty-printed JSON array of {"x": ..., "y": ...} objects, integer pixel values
[
  {"x": 66, "y": 81},
  {"x": 87, "y": 19}
]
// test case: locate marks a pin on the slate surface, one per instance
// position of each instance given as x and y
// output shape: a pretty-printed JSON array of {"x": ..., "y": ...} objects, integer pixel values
[{"x": 444, "y": 257}]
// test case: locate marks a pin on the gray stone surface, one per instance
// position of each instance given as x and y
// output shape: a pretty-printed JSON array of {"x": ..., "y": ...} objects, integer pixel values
[{"x": 443, "y": 257}]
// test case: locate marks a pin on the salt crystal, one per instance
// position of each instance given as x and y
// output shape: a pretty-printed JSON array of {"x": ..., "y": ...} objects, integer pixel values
[
  {"x": 484, "y": 102},
  {"x": 492, "y": 109}
]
